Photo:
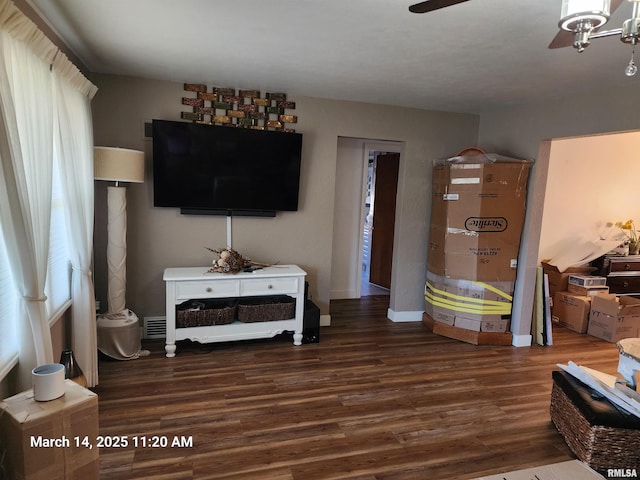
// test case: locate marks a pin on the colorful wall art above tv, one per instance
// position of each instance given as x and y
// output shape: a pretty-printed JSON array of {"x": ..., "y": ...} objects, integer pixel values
[{"x": 210, "y": 169}]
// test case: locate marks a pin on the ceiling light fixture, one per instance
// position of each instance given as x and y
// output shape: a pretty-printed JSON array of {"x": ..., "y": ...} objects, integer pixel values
[
  {"x": 631, "y": 68},
  {"x": 584, "y": 17}
]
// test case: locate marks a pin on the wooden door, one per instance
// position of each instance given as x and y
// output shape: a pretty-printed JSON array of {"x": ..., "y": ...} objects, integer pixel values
[{"x": 384, "y": 218}]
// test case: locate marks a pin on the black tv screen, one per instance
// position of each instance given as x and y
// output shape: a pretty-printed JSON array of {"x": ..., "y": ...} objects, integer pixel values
[{"x": 215, "y": 169}]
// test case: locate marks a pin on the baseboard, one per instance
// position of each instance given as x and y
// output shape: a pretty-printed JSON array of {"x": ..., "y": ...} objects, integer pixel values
[
  {"x": 325, "y": 320},
  {"x": 399, "y": 317},
  {"x": 521, "y": 340}
]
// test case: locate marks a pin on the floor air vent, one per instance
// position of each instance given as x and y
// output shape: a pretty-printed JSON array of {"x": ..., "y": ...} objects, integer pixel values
[{"x": 155, "y": 327}]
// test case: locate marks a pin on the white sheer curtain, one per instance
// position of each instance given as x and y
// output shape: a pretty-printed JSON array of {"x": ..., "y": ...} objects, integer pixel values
[
  {"x": 75, "y": 153},
  {"x": 29, "y": 124},
  {"x": 26, "y": 156}
]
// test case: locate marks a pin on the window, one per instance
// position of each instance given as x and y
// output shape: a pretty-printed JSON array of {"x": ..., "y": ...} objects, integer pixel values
[
  {"x": 57, "y": 287},
  {"x": 8, "y": 313},
  {"x": 58, "y": 284}
]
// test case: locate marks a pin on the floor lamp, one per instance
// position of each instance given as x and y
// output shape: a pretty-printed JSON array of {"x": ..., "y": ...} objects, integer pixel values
[{"x": 117, "y": 165}]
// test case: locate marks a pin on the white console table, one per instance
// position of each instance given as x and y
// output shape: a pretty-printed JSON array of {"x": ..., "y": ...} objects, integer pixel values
[{"x": 191, "y": 283}]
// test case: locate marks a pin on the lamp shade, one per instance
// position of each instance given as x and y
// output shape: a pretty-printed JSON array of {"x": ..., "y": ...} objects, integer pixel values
[
  {"x": 118, "y": 164},
  {"x": 596, "y": 12}
]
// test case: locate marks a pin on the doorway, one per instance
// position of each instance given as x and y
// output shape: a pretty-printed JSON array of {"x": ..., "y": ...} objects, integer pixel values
[
  {"x": 379, "y": 221},
  {"x": 354, "y": 189}
]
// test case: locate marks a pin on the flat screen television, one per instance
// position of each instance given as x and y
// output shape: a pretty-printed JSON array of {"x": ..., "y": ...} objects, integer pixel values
[{"x": 210, "y": 169}]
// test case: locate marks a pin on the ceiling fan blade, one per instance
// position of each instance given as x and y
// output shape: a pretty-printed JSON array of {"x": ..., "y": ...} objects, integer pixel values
[
  {"x": 431, "y": 5},
  {"x": 614, "y": 5},
  {"x": 565, "y": 39},
  {"x": 562, "y": 39}
]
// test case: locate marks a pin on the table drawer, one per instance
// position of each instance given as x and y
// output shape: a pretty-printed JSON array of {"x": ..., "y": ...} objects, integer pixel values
[
  {"x": 623, "y": 284},
  {"x": 207, "y": 289},
  {"x": 269, "y": 286},
  {"x": 624, "y": 266}
]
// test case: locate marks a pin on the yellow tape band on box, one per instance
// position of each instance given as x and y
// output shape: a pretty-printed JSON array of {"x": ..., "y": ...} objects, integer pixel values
[
  {"x": 493, "y": 289},
  {"x": 468, "y": 308},
  {"x": 443, "y": 293},
  {"x": 461, "y": 303}
]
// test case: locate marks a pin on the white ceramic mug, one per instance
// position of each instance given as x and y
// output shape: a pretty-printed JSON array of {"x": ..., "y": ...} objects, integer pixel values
[{"x": 48, "y": 382}]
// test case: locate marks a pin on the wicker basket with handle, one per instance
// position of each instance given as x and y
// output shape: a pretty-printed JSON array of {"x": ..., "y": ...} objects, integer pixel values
[
  {"x": 202, "y": 313},
  {"x": 266, "y": 309}
]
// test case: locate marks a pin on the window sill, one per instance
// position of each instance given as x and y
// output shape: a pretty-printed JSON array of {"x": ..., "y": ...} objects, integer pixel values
[
  {"x": 7, "y": 365},
  {"x": 58, "y": 314}
]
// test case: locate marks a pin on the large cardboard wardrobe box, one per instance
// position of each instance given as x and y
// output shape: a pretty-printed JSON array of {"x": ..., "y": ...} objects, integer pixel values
[
  {"x": 53, "y": 440},
  {"x": 477, "y": 214}
]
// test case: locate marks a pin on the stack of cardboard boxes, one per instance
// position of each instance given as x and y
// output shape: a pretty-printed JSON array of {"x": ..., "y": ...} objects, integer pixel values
[
  {"x": 582, "y": 303},
  {"x": 477, "y": 214},
  {"x": 571, "y": 302}
]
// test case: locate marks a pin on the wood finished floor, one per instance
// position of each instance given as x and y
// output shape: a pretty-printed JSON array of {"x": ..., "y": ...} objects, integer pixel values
[{"x": 373, "y": 400}]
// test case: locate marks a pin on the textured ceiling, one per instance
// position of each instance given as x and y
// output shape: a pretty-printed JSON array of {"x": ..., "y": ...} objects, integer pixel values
[{"x": 474, "y": 57}]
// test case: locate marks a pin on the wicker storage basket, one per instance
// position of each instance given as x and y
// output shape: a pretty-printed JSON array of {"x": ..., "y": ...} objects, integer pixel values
[
  {"x": 266, "y": 309},
  {"x": 202, "y": 313},
  {"x": 595, "y": 431}
]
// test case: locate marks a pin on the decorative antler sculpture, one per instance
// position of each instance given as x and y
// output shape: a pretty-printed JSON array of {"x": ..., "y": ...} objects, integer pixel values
[{"x": 230, "y": 261}]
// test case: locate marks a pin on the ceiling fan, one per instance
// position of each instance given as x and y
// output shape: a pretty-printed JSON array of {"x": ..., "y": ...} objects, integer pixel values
[
  {"x": 580, "y": 22},
  {"x": 431, "y": 5}
]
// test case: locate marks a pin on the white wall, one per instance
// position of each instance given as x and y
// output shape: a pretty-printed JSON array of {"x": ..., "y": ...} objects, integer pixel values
[
  {"x": 160, "y": 238},
  {"x": 518, "y": 131},
  {"x": 590, "y": 181},
  {"x": 345, "y": 260}
]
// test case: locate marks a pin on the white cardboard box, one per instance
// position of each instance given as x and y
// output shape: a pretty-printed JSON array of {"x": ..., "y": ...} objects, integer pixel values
[{"x": 587, "y": 280}]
